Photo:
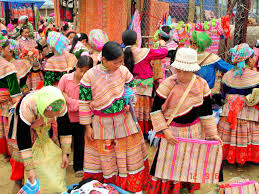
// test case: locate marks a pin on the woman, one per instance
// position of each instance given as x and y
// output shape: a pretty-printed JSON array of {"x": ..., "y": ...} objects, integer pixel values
[
  {"x": 97, "y": 38},
  {"x": 209, "y": 62},
  {"x": 9, "y": 94},
  {"x": 115, "y": 151},
  {"x": 138, "y": 61},
  {"x": 61, "y": 63},
  {"x": 31, "y": 124},
  {"x": 80, "y": 45},
  {"x": 193, "y": 116},
  {"x": 239, "y": 124}
]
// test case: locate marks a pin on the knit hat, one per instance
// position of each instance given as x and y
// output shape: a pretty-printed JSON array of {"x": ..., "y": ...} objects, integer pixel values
[
  {"x": 202, "y": 39},
  {"x": 239, "y": 54},
  {"x": 97, "y": 38},
  {"x": 186, "y": 60},
  {"x": 58, "y": 41},
  {"x": 2, "y": 40}
]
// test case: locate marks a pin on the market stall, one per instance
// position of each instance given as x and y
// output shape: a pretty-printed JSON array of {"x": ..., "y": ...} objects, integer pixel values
[{"x": 13, "y": 9}]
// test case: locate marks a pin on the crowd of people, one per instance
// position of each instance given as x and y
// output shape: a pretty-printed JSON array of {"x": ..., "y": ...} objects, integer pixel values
[{"x": 59, "y": 86}]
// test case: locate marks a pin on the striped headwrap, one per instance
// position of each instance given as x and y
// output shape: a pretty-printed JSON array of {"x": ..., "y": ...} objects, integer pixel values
[
  {"x": 58, "y": 41},
  {"x": 202, "y": 40},
  {"x": 14, "y": 47},
  {"x": 97, "y": 38},
  {"x": 239, "y": 54}
]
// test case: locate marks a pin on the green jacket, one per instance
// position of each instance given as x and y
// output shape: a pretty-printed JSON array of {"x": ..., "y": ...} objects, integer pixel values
[{"x": 30, "y": 26}]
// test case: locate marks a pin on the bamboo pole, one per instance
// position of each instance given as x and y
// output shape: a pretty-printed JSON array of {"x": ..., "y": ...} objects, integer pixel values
[{"x": 191, "y": 10}]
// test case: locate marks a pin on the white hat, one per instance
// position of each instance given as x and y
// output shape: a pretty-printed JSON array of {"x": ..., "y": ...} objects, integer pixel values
[{"x": 186, "y": 59}]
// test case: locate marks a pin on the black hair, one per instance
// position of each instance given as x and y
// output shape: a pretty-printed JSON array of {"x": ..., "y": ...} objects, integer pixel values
[
  {"x": 65, "y": 27},
  {"x": 167, "y": 30},
  {"x": 129, "y": 38},
  {"x": 24, "y": 28},
  {"x": 85, "y": 61},
  {"x": 78, "y": 37},
  {"x": 71, "y": 32},
  {"x": 6, "y": 43},
  {"x": 41, "y": 22},
  {"x": 112, "y": 50}
]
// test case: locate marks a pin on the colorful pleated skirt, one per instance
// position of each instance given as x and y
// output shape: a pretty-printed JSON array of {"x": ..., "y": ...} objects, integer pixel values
[
  {"x": 120, "y": 161},
  {"x": 241, "y": 144},
  {"x": 156, "y": 185}
]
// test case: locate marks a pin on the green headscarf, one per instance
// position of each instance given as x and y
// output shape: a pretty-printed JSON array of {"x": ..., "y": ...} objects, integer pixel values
[
  {"x": 2, "y": 40},
  {"x": 202, "y": 40},
  {"x": 49, "y": 96}
]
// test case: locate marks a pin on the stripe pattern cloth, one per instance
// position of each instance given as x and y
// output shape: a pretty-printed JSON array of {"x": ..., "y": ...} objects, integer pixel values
[
  {"x": 23, "y": 67},
  {"x": 190, "y": 160},
  {"x": 240, "y": 144},
  {"x": 106, "y": 87},
  {"x": 114, "y": 127},
  {"x": 115, "y": 157},
  {"x": 239, "y": 187},
  {"x": 172, "y": 91}
]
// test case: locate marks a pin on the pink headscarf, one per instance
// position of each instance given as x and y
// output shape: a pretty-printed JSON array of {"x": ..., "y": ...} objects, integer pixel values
[{"x": 10, "y": 27}]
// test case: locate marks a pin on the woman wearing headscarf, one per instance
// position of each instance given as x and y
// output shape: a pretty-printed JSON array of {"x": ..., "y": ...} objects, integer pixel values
[
  {"x": 97, "y": 38},
  {"x": 209, "y": 62},
  {"x": 10, "y": 93},
  {"x": 32, "y": 123},
  {"x": 239, "y": 123},
  {"x": 62, "y": 62}
]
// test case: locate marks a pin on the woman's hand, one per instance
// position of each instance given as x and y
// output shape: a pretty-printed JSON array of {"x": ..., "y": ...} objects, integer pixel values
[
  {"x": 65, "y": 161},
  {"x": 127, "y": 108},
  {"x": 217, "y": 138},
  {"x": 32, "y": 175},
  {"x": 162, "y": 43},
  {"x": 169, "y": 136},
  {"x": 89, "y": 133},
  {"x": 40, "y": 122}
]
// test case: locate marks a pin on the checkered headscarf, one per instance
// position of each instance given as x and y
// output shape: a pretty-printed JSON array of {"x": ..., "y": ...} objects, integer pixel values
[{"x": 239, "y": 54}]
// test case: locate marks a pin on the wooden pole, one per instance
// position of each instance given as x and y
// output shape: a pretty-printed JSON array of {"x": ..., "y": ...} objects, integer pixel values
[
  {"x": 216, "y": 8},
  {"x": 202, "y": 10},
  {"x": 241, "y": 21},
  {"x": 191, "y": 10},
  {"x": 257, "y": 11}
]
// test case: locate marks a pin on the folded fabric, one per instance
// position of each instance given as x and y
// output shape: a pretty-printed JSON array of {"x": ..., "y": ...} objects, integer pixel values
[
  {"x": 253, "y": 99},
  {"x": 30, "y": 188}
]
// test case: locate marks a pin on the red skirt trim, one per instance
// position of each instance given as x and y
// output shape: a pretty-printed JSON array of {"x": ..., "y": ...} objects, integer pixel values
[
  {"x": 17, "y": 170},
  {"x": 169, "y": 187},
  {"x": 145, "y": 126},
  {"x": 3, "y": 146},
  {"x": 132, "y": 183},
  {"x": 241, "y": 155}
]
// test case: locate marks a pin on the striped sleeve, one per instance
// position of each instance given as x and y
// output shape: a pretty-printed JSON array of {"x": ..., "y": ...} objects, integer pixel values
[
  {"x": 85, "y": 97},
  {"x": 26, "y": 156},
  {"x": 65, "y": 142},
  {"x": 158, "y": 121}
]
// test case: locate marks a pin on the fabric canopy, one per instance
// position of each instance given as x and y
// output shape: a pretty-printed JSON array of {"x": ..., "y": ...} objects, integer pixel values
[{"x": 38, "y": 3}]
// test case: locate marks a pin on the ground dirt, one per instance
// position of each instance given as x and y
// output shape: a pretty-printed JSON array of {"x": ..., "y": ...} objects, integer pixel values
[{"x": 249, "y": 171}]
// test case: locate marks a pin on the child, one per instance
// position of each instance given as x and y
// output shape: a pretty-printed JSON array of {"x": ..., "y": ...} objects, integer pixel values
[
  {"x": 69, "y": 85},
  {"x": 115, "y": 150},
  {"x": 138, "y": 61},
  {"x": 25, "y": 40},
  {"x": 80, "y": 45}
]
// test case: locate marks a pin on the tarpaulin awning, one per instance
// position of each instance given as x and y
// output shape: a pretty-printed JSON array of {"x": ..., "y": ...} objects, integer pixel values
[{"x": 38, "y": 3}]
